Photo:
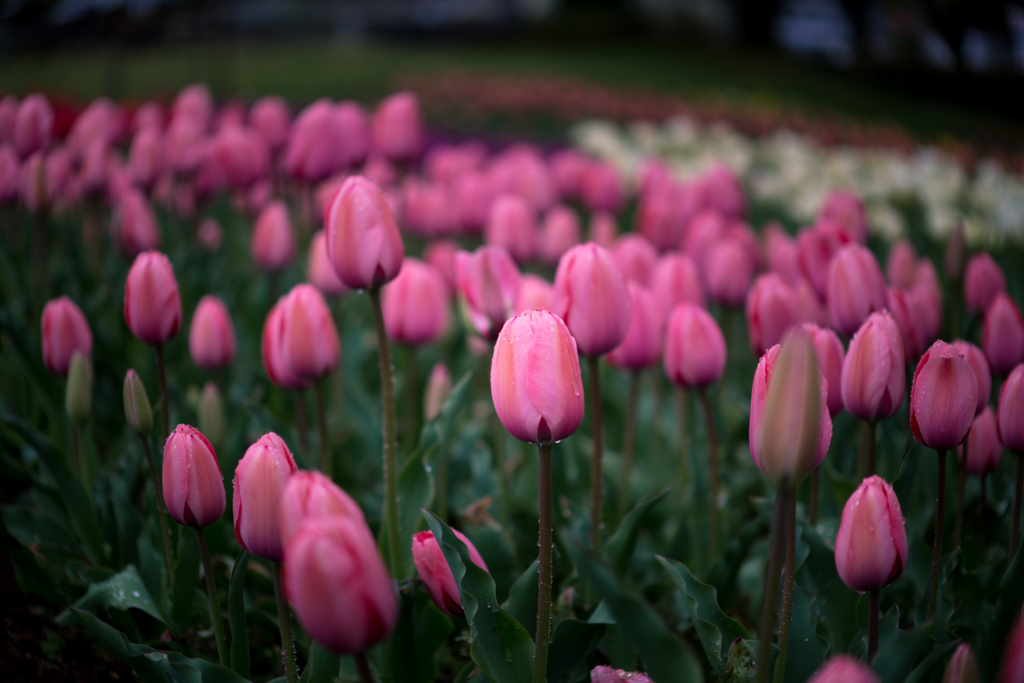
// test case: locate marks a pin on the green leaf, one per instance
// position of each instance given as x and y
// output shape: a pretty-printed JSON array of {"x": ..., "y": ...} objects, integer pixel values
[
  {"x": 322, "y": 667},
  {"x": 186, "y": 578},
  {"x": 715, "y": 629},
  {"x": 433, "y": 628},
  {"x": 522, "y": 599},
  {"x": 667, "y": 658},
  {"x": 725, "y": 570},
  {"x": 154, "y": 665},
  {"x": 807, "y": 649},
  {"x": 1008, "y": 606},
  {"x": 932, "y": 663},
  {"x": 122, "y": 591},
  {"x": 501, "y": 646},
  {"x": 619, "y": 548},
  {"x": 570, "y": 644},
  {"x": 236, "y": 616},
  {"x": 397, "y": 658},
  {"x": 836, "y": 603},
  {"x": 894, "y": 663}
]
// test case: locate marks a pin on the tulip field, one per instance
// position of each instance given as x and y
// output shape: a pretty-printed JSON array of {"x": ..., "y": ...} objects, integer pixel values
[{"x": 305, "y": 391}]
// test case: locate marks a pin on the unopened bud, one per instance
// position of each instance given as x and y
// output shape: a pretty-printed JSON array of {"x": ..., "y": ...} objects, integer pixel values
[
  {"x": 439, "y": 388},
  {"x": 963, "y": 667},
  {"x": 211, "y": 414},
  {"x": 78, "y": 398},
  {"x": 136, "y": 404}
]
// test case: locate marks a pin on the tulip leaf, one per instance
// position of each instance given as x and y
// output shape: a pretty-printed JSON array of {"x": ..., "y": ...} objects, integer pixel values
[
  {"x": 571, "y": 642},
  {"x": 807, "y": 648},
  {"x": 322, "y": 666},
  {"x": 1007, "y": 610},
  {"x": 619, "y": 548},
  {"x": 836, "y": 603},
  {"x": 724, "y": 572},
  {"x": 715, "y": 629},
  {"x": 894, "y": 663},
  {"x": 236, "y": 615},
  {"x": 154, "y": 665},
  {"x": 522, "y": 599},
  {"x": 667, "y": 658},
  {"x": 932, "y": 663},
  {"x": 186, "y": 578},
  {"x": 125, "y": 590}
]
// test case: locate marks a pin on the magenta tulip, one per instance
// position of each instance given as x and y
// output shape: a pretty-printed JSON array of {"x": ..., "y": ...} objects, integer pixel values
[
  {"x": 260, "y": 478},
  {"x": 33, "y": 126},
  {"x": 488, "y": 282},
  {"x": 676, "y": 280},
  {"x": 435, "y": 573},
  {"x": 397, "y": 129},
  {"x": 983, "y": 279},
  {"x": 152, "y": 305},
  {"x": 559, "y": 233},
  {"x": 192, "y": 482},
  {"x": 771, "y": 310},
  {"x": 65, "y": 331},
  {"x": 844, "y": 669},
  {"x": 943, "y": 398},
  {"x": 695, "y": 350},
  {"x": 601, "y": 188},
  {"x": 1011, "y": 411},
  {"x": 901, "y": 265},
  {"x": 871, "y": 546},
  {"x": 363, "y": 241},
  {"x": 854, "y": 288},
  {"x": 830, "y": 354},
  {"x": 319, "y": 271},
  {"x": 534, "y": 292},
  {"x": 636, "y": 258},
  {"x": 211, "y": 337},
  {"x": 979, "y": 363},
  {"x": 591, "y": 297},
  {"x": 311, "y": 495},
  {"x": 845, "y": 208},
  {"x": 273, "y": 240},
  {"x": 984, "y": 449},
  {"x": 642, "y": 346},
  {"x": 728, "y": 269},
  {"x": 510, "y": 225},
  {"x": 415, "y": 304},
  {"x": 816, "y": 246},
  {"x": 873, "y": 381},
  {"x": 1002, "y": 336}
]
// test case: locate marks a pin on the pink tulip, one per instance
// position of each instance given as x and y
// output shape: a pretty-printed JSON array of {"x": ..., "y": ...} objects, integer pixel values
[
  {"x": 560, "y": 232},
  {"x": 441, "y": 255},
  {"x": 788, "y": 438},
  {"x": 603, "y": 229},
  {"x": 438, "y": 391},
  {"x": 272, "y": 119},
  {"x": 184, "y": 145},
  {"x": 845, "y": 208},
  {"x": 943, "y": 398},
  {"x": 338, "y": 585},
  {"x": 319, "y": 271},
  {"x": 830, "y": 355},
  {"x": 704, "y": 230},
  {"x": 152, "y": 305},
  {"x": 534, "y": 292},
  {"x": 93, "y": 172},
  {"x": 273, "y": 241},
  {"x": 591, "y": 297},
  {"x": 984, "y": 449},
  {"x": 567, "y": 169},
  {"x": 926, "y": 301},
  {"x": 510, "y": 225},
  {"x": 606, "y": 674},
  {"x": 1002, "y": 335},
  {"x": 601, "y": 188},
  {"x": 979, "y": 363},
  {"x": 521, "y": 170},
  {"x": 311, "y": 154},
  {"x": 642, "y": 346},
  {"x": 397, "y": 129},
  {"x": 536, "y": 384},
  {"x": 1012, "y": 670},
  {"x": 310, "y": 347},
  {"x": 312, "y": 495},
  {"x": 435, "y": 573},
  {"x": 363, "y": 241},
  {"x": 351, "y": 134},
  {"x": 242, "y": 154},
  {"x": 8, "y": 113},
  {"x": 873, "y": 381},
  {"x": 472, "y": 193},
  {"x": 901, "y": 265},
  {"x": 415, "y": 304},
  {"x": 782, "y": 253},
  {"x": 900, "y": 304},
  {"x": 134, "y": 225},
  {"x": 815, "y": 248},
  {"x": 854, "y": 288},
  {"x": 771, "y": 310},
  {"x": 194, "y": 102},
  {"x": 65, "y": 331},
  {"x": 35, "y": 194},
  {"x": 260, "y": 478},
  {"x": 694, "y": 347},
  {"x": 871, "y": 547},
  {"x": 192, "y": 482},
  {"x": 211, "y": 338},
  {"x": 658, "y": 217},
  {"x": 33, "y": 126},
  {"x": 148, "y": 115},
  {"x": 211, "y": 235},
  {"x": 728, "y": 270},
  {"x": 675, "y": 280},
  {"x": 720, "y": 190},
  {"x": 10, "y": 174},
  {"x": 636, "y": 257},
  {"x": 145, "y": 160},
  {"x": 444, "y": 163},
  {"x": 812, "y": 309},
  {"x": 844, "y": 669},
  {"x": 488, "y": 282},
  {"x": 963, "y": 667},
  {"x": 983, "y": 279},
  {"x": 1011, "y": 411}
]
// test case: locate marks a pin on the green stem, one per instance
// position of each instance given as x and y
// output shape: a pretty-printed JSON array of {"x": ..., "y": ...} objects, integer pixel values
[
  {"x": 412, "y": 399},
  {"x": 629, "y": 434},
  {"x": 441, "y": 501},
  {"x": 211, "y": 589},
  {"x": 392, "y": 523},
  {"x": 709, "y": 416},
  {"x": 321, "y": 421},
  {"x": 867, "y": 446},
  {"x": 540, "y": 659},
  {"x": 939, "y": 524},
  {"x": 682, "y": 462},
  {"x": 501, "y": 472},
  {"x": 596, "y": 478},
  {"x": 165, "y": 409},
  {"x": 771, "y": 587},
  {"x": 363, "y": 668},
  {"x": 165, "y": 527},
  {"x": 872, "y": 625},
  {"x": 958, "y": 524},
  {"x": 812, "y": 508},
  {"x": 1015, "y": 535},
  {"x": 786, "y": 617},
  {"x": 76, "y": 440},
  {"x": 284, "y": 620}
]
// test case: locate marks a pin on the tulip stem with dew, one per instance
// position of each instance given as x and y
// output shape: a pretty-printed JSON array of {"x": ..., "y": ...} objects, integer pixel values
[
  {"x": 363, "y": 668},
  {"x": 867, "y": 448},
  {"x": 211, "y": 589},
  {"x": 958, "y": 524},
  {"x": 872, "y": 625},
  {"x": 300, "y": 420},
  {"x": 321, "y": 423},
  {"x": 812, "y": 506},
  {"x": 165, "y": 527},
  {"x": 165, "y": 408},
  {"x": 786, "y": 618},
  {"x": 596, "y": 478},
  {"x": 500, "y": 471},
  {"x": 441, "y": 499},
  {"x": 709, "y": 416},
  {"x": 284, "y": 620},
  {"x": 1015, "y": 534},
  {"x": 390, "y": 428},
  {"x": 628, "y": 435},
  {"x": 76, "y": 442},
  {"x": 939, "y": 525},
  {"x": 540, "y": 657},
  {"x": 771, "y": 586}
]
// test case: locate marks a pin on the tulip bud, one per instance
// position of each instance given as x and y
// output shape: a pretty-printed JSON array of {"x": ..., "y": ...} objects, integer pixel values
[
  {"x": 781, "y": 253},
  {"x": 901, "y": 265},
  {"x": 943, "y": 398},
  {"x": 441, "y": 255},
  {"x": 260, "y": 477},
  {"x": 636, "y": 257},
  {"x": 272, "y": 119},
  {"x": 1002, "y": 336},
  {"x": 133, "y": 225},
  {"x": 273, "y": 241},
  {"x": 979, "y": 363},
  {"x": 790, "y": 427},
  {"x": 145, "y": 159},
  {"x": 152, "y": 305},
  {"x": 601, "y": 188},
  {"x": 983, "y": 447},
  {"x": 439, "y": 388},
  {"x": 397, "y": 129},
  {"x": 591, "y": 297},
  {"x": 963, "y": 667},
  {"x": 606, "y": 674},
  {"x": 210, "y": 234},
  {"x": 338, "y": 585},
  {"x": 211, "y": 337},
  {"x": 695, "y": 351},
  {"x": 983, "y": 279},
  {"x": 815, "y": 248},
  {"x": 415, "y": 304},
  {"x": 676, "y": 280},
  {"x": 844, "y": 669},
  {"x": 510, "y": 225},
  {"x": 871, "y": 546},
  {"x": 845, "y": 208},
  {"x": 311, "y": 153},
  {"x": 193, "y": 485},
  {"x": 309, "y": 495},
  {"x": 65, "y": 331},
  {"x": 771, "y": 310},
  {"x": 78, "y": 393},
  {"x": 658, "y": 217},
  {"x": 536, "y": 385},
  {"x": 33, "y": 125},
  {"x": 309, "y": 342},
  {"x": 854, "y": 287},
  {"x": 1011, "y": 411},
  {"x": 567, "y": 169},
  {"x": 728, "y": 270},
  {"x": 902, "y": 311},
  {"x": 319, "y": 271},
  {"x": 137, "y": 411},
  {"x": 488, "y": 282},
  {"x": 35, "y": 192},
  {"x": 603, "y": 229},
  {"x": 534, "y": 292},
  {"x": 830, "y": 354},
  {"x": 272, "y": 350},
  {"x": 955, "y": 250},
  {"x": 212, "y": 421},
  {"x": 642, "y": 345},
  {"x": 560, "y": 232},
  {"x": 1012, "y": 670},
  {"x": 873, "y": 379},
  {"x": 363, "y": 241},
  {"x": 437, "y": 575}
]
